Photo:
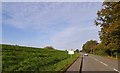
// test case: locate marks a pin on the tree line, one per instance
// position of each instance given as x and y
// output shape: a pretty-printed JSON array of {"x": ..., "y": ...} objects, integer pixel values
[{"x": 108, "y": 19}]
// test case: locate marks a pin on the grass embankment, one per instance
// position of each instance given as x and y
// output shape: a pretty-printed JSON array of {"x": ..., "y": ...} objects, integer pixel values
[{"x": 18, "y": 58}]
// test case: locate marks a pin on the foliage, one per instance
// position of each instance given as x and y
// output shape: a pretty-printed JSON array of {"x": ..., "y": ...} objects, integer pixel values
[
  {"x": 109, "y": 21},
  {"x": 19, "y": 58},
  {"x": 89, "y": 46},
  {"x": 100, "y": 49},
  {"x": 49, "y": 47},
  {"x": 77, "y": 50}
]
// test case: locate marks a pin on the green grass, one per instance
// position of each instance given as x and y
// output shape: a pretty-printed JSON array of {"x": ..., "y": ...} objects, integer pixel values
[{"x": 18, "y": 58}]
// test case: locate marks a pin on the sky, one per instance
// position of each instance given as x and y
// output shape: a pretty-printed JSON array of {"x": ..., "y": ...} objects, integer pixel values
[
  {"x": 63, "y": 25},
  {"x": 56, "y": 0}
]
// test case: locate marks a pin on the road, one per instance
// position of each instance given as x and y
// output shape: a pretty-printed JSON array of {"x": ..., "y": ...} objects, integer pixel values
[
  {"x": 97, "y": 64},
  {"x": 75, "y": 67}
]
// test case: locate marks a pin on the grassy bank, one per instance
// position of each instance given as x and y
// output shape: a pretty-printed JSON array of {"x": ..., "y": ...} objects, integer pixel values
[{"x": 19, "y": 58}]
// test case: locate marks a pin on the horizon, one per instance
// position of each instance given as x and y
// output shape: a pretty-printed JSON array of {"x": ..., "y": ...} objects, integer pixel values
[{"x": 60, "y": 25}]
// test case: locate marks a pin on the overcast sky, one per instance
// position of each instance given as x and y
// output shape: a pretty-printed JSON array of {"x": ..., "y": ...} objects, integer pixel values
[{"x": 61, "y": 25}]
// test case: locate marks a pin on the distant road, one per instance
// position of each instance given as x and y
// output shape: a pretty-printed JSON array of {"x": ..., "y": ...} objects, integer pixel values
[
  {"x": 98, "y": 63},
  {"x": 95, "y": 64}
]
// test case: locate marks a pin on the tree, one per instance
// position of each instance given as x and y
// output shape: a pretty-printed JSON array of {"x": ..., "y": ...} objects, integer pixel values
[
  {"x": 89, "y": 46},
  {"x": 49, "y": 47},
  {"x": 100, "y": 49},
  {"x": 77, "y": 50},
  {"x": 109, "y": 21}
]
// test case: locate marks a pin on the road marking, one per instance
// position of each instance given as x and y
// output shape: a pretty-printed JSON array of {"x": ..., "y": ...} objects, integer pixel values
[
  {"x": 103, "y": 63},
  {"x": 100, "y": 62},
  {"x": 116, "y": 70},
  {"x": 96, "y": 59}
]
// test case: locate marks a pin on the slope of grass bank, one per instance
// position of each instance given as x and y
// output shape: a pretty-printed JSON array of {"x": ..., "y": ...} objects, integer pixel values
[{"x": 19, "y": 58}]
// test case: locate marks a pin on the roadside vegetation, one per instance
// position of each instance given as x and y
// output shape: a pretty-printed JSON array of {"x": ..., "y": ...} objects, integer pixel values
[
  {"x": 109, "y": 21},
  {"x": 20, "y": 58}
]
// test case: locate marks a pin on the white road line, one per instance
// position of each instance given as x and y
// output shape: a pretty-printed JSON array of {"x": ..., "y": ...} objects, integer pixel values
[
  {"x": 116, "y": 70},
  {"x": 96, "y": 59},
  {"x": 103, "y": 63},
  {"x": 100, "y": 62}
]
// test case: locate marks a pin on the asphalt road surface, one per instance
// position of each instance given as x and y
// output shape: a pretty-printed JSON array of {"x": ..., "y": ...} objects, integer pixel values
[
  {"x": 98, "y": 63},
  {"x": 94, "y": 63},
  {"x": 75, "y": 67}
]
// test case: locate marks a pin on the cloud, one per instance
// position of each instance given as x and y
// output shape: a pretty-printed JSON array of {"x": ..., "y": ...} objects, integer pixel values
[
  {"x": 74, "y": 37},
  {"x": 40, "y": 16},
  {"x": 66, "y": 25},
  {"x": 54, "y": 0}
]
